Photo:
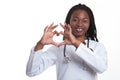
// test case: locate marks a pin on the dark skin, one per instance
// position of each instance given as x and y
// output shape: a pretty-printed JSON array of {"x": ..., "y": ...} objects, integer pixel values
[{"x": 74, "y": 33}]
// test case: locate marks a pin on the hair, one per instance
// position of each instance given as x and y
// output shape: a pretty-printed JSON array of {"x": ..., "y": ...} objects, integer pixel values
[{"x": 92, "y": 32}]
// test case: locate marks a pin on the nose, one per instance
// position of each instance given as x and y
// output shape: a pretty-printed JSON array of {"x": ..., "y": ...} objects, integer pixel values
[{"x": 79, "y": 23}]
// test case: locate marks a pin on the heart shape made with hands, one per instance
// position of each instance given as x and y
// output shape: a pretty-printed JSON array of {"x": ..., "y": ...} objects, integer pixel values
[
  {"x": 58, "y": 36},
  {"x": 59, "y": 39},
  {"x": 52, "y": 36}
]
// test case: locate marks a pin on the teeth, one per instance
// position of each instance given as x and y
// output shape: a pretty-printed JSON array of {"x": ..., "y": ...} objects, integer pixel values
[{"x": 79, "y": 29}]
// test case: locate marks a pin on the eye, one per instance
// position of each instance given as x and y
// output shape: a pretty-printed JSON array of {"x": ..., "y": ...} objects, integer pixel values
[
  {"x": 75, "y": 19},
  {"x": 85, "y": 20}
]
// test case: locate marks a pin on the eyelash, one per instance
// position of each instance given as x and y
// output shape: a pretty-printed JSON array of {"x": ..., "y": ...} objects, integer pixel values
[
  {"x": 85, "y": 21},
  {"x": 77, "y": 20}
]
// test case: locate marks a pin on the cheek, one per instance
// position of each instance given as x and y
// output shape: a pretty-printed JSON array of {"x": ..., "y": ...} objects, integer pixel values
[
  {"x": 87, "y": 25},
  {"x": 86, "y": 28},
  {"x": 72, "y": 26},
  {"x": 72, "y": 23}
]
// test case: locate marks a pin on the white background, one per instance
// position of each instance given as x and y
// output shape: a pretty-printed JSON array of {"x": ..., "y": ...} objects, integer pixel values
[{"x": 22, "y": 23}]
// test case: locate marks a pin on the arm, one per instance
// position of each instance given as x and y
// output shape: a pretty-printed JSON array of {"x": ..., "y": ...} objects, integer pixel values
[
  {"x": 33, "y": 65},
  {"x": 39, "y": 60},
  {"x": 96, "y": 60}
]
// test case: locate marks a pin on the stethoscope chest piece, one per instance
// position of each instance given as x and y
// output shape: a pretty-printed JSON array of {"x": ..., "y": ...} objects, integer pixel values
[{"x": 67, "y": 60}]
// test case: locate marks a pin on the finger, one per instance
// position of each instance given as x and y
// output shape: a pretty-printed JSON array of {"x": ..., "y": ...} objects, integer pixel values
[
  {"x": 69, "y": 27},
  {"x": 58, "y": 33},
  {"x": 55, "y": 32},
  {"x": 61, "y": 32},
  {"x": 52, "y": 26},
  {"x": 65, "y": 26},
  {"x": 46, "y": 28},
  {"x": 54, "y": 43},
  {"x": 62, "y": 25},
  {"x": 62, "y": 43}
]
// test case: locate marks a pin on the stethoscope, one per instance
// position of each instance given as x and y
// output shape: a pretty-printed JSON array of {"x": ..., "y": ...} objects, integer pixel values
[{"x": 67, "y": 58}]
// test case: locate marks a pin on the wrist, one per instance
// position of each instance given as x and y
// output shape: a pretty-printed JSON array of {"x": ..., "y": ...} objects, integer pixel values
[
  {"x": 77, "y": 43},
  {"x": 39, "y": 46}
]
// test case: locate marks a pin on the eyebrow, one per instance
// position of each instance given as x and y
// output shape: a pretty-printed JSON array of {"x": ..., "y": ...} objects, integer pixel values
[{"x": 82, "y": 18}]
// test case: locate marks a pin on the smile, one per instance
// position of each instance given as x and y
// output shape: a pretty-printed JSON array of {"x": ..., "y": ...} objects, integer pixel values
[{"x": 79, "y": 29}]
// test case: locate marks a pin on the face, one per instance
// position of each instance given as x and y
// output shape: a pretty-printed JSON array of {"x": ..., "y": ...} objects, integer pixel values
[{"x": 79, "y": 23}]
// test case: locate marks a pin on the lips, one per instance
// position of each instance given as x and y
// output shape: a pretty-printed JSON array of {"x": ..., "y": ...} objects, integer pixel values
[{"x": 79, "y": 29}]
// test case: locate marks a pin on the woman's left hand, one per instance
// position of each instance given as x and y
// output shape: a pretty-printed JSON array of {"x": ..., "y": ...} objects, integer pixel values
[{"x": 69, "y": 38}]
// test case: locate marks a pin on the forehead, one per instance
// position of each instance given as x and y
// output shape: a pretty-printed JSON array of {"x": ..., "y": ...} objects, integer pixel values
[{"x": 80, "y": 13}]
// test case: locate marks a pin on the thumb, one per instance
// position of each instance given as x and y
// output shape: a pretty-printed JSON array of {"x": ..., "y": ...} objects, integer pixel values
[
  {"x": 62, "y": 43},
  {"x": 61, "y": 32},
  {"x": 54, "y": 43}
]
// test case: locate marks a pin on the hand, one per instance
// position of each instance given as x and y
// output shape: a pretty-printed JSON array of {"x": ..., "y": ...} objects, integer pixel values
[
  {"x": 48, "y": 35},
  {"x": 69, "y": 38}
]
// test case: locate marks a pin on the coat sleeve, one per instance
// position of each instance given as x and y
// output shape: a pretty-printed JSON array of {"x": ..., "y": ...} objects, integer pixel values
[
  {"x": 96, "y": 60},
  {"x": 39, "y": 61}
]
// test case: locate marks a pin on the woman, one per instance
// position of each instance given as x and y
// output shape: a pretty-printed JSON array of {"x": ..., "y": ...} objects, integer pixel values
[{"x": 79, "y": 57}]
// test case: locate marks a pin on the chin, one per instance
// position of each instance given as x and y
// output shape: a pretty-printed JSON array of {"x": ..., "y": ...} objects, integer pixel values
[{"x": 79, "y": 35}]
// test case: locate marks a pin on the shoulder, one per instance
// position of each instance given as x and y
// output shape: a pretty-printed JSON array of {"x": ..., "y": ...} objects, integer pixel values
[{"x": 95, "y": 44}]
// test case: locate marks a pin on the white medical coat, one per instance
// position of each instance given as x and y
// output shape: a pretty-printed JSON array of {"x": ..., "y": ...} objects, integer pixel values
[{"x": 84, "y": 64}]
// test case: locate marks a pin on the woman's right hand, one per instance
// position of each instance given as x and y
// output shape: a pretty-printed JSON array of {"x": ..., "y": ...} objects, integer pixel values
[{"x": 47, "y": 37}]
